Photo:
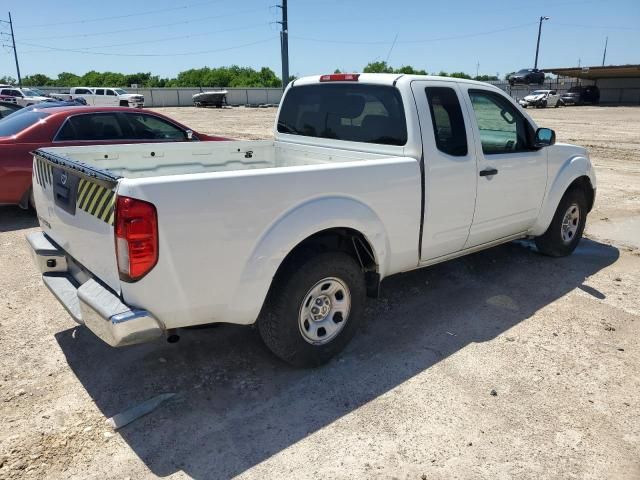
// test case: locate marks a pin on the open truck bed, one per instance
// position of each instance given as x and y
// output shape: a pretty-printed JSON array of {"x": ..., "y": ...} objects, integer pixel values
[{"x": 223, "y": 212}]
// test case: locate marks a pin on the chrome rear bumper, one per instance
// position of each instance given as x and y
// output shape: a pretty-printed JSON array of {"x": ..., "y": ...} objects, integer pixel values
[{"x": 88, "y": 301}]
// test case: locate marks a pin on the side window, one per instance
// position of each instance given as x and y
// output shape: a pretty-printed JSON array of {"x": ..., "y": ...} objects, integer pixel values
[
  {"x": 150, "y": 127},
  {"x": 448, "y": 122},
  {"x": 100, "y": 91},
  {"x": 97, "y": 126},
  {"x": 81, "y": 91},
  {"x": 502, "y": 128},
  {"x": 111, "y": 92}
]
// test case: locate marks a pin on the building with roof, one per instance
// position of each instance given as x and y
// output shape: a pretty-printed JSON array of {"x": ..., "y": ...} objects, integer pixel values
[{"x": 618, "y": 84}]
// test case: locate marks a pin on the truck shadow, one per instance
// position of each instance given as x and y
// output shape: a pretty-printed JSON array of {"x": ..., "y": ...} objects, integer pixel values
[
  {"x": 14, "y": 218},
  {"x": 236, "y": 405}
]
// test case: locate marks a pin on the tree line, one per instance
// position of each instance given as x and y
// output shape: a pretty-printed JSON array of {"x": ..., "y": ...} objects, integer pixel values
[{"x": 233, "y": 76}]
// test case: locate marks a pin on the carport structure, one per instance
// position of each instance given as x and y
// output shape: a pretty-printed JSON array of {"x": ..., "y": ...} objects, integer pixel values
[{"x": 618, "y": 84}]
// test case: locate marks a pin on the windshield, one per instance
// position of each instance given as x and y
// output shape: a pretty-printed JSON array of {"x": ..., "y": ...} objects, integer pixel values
[
  {"x": 18, "y": 121},
  {"x": 119, "y": 91},
  {"x": 351, "y": 112},
  {"x": 539, "y": 92},
  {"x": 29, "y": 93},
  {"x": 524, "y": 71}
]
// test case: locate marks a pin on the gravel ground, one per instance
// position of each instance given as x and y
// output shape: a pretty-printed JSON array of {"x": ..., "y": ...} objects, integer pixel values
[{"x": 503, "y": 364}]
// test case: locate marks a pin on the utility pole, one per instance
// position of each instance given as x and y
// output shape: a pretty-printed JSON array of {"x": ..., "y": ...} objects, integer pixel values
[
  {"x": 477, "y": 69},
  {"x": 284, "y": 44},
  {"x": 15, "y": 52},
  {"x": 604, "y": 55},
  {"x": 535, "y": 64}
]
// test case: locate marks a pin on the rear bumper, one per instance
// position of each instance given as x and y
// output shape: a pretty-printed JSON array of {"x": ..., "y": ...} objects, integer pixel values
[{"x": 88, "y": 301}]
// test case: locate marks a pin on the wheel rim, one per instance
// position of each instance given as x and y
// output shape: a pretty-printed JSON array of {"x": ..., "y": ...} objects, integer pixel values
[
  {"x": 324, "y": 311},
  {"x": 570, "y": 223}
]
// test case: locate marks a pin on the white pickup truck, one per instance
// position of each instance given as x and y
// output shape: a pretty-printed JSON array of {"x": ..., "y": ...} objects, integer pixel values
[
  {"x": 368, "y": 175},
  {"x": 103, "y": 97}
]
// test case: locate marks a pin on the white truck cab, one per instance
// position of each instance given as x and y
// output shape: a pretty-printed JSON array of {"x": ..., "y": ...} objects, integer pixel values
[
  {"x": 23, "y": 96},
  {"x": 104, "y": 97},
  {"x": 368, "y": 175}
]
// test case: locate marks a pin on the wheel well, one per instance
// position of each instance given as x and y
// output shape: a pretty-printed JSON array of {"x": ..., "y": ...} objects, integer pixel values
[
  {"x": 124, "y": 103},
  {"x": 345, "y": 240},
  {"x": 584, "y": 183}
]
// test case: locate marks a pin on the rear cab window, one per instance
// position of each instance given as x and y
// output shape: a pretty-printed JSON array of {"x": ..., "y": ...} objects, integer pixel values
[
  {"x": 349, "y": 112},
  {"x": 15, "y": 124}
]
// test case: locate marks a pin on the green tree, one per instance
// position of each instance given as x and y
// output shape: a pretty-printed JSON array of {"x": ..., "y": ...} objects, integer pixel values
[
  {"x": 377, "y": 67},
  {"x": 7, "y": 80},
  {"x": 37, "y": 80}
]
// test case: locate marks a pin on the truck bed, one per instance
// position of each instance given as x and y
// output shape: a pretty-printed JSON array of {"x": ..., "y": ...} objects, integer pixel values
[{"x": 153, "y": 160}]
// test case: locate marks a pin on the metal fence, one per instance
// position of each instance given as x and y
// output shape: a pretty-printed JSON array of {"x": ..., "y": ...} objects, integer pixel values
[
  {"x": 182, "y": 97},
  {"x": 628, "y": 94}
]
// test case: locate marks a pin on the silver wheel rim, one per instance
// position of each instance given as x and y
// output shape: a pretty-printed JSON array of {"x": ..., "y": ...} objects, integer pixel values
[
  {"x": 570, "y": 223},
  {"x": 324, "y": 311}
]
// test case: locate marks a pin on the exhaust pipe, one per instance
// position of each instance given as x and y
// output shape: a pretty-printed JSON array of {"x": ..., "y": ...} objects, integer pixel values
[{"x": 172, "y": 335}]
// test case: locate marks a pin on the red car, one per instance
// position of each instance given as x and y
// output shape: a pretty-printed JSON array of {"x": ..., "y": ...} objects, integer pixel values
[{"x": 25, "y": 131}]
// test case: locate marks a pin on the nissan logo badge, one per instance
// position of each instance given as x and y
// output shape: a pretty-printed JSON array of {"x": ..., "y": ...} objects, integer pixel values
[{"x": 63, "y": 178}]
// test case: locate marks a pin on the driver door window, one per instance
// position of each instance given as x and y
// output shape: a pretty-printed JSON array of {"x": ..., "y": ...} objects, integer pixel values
[{"x": 502, "y": 128}]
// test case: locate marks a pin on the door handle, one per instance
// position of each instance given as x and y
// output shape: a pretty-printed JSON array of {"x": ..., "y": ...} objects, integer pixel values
[{"x": 488, "y": 172}]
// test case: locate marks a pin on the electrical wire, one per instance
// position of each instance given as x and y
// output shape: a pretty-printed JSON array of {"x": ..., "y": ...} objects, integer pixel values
[
  {"x": 167, "y": 39},
  {"x": 175, "y": 54},
  {"x": 604, "y": 27},
  {"x": 387, "y": 42},
  {"x": 148, "y": 27},
  {"x": 128, "y": 15}
]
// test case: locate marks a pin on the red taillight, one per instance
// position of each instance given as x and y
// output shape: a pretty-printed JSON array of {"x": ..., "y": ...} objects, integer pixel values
[
  {"x": 340, "y": 77},
  {"x": 136, "y": 232}
]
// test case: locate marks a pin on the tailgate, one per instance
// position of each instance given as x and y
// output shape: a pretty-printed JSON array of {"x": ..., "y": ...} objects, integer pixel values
[{"x": 75, "y": 204}]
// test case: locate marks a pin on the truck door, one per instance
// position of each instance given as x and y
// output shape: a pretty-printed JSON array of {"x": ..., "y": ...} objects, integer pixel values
[
  {"x": 99, "y": 98},
  {"x": 512, "y": 176},
  {"x": 449, "y": 168},
  {"x": 111, "y": 99}
]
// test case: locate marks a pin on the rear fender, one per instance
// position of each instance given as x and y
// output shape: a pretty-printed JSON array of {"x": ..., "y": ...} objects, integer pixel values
[
  {"x": 290, "y": 230},
  {"x": 573, "y": 168}
]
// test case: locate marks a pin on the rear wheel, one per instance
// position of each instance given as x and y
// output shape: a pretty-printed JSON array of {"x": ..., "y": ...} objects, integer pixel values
[
  {"x": 564, "y": 233},
  {"x": 313, "y": 309}
]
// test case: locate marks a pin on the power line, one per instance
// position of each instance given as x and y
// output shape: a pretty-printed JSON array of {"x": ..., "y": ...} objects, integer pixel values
[
  {"x": 200, "y": 52},
  {"x": 386, "y": 42},
  {"x": 597, "y": 26},
  {"x": 166, "y": 39},
  {"x": 128, "y": 15},
  {"x": 148, "y": 27}
]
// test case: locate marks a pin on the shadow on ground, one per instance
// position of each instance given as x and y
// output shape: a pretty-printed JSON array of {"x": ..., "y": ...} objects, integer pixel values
[
  {"x": 15, "y": 218},
  {"x": 237, "y": 405}
]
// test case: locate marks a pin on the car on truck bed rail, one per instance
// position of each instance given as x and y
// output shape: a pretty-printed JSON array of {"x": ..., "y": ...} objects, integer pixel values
[{"x": 368, "y": 176}]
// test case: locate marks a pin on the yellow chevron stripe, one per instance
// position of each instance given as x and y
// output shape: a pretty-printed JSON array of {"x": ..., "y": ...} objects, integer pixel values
[
  {"x": 107, "y": 216},
  {"x": 92, "y": 189},
  {"x": 100, "y": 204},
  {"x": 98, "y": 196}
]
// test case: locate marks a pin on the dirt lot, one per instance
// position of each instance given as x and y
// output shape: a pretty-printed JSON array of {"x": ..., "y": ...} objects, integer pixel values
[{"x": 556, "y": 340}]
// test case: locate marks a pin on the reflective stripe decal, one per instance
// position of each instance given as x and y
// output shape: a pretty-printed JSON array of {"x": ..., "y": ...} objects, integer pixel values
[{"x": 96, "y": 200}]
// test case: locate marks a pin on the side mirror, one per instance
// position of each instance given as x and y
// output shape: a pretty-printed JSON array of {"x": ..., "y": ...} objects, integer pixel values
[
  {"x": 544, "y": 137},
  {"x": 189, "y": 134}
]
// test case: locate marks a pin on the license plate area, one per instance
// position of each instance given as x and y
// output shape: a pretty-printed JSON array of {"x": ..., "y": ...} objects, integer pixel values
[{"x": 65, "y": 190}]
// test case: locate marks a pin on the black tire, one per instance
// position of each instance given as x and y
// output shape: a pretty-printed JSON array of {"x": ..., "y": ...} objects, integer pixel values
[
  {"x": 551, "y": 242},
  {"x": 279, "y": 324}
]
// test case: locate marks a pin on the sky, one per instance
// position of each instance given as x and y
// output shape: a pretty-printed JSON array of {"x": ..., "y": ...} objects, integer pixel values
[{"x": 167, "y": 36}]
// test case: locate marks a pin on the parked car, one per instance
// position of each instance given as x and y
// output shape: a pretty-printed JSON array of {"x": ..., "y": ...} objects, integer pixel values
[
  {"x": 527, "y": 76},
  {"x": 541, "y": 99},
  {"x": 103, "y": 97},
  {"x": 23, "y": 96},
  {"x": 22, "y": 133},
  {"x": 7, "y": 108},
  {"x": 78, "y": 102},
  {"x": 368, "y": 175},
  {"x": 581, "y": 94}
]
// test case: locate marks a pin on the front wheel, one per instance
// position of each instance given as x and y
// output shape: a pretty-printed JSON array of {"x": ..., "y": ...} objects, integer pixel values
[
  {"x": 313, "y": 309},
  {"x": 565, "y": 231}
]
